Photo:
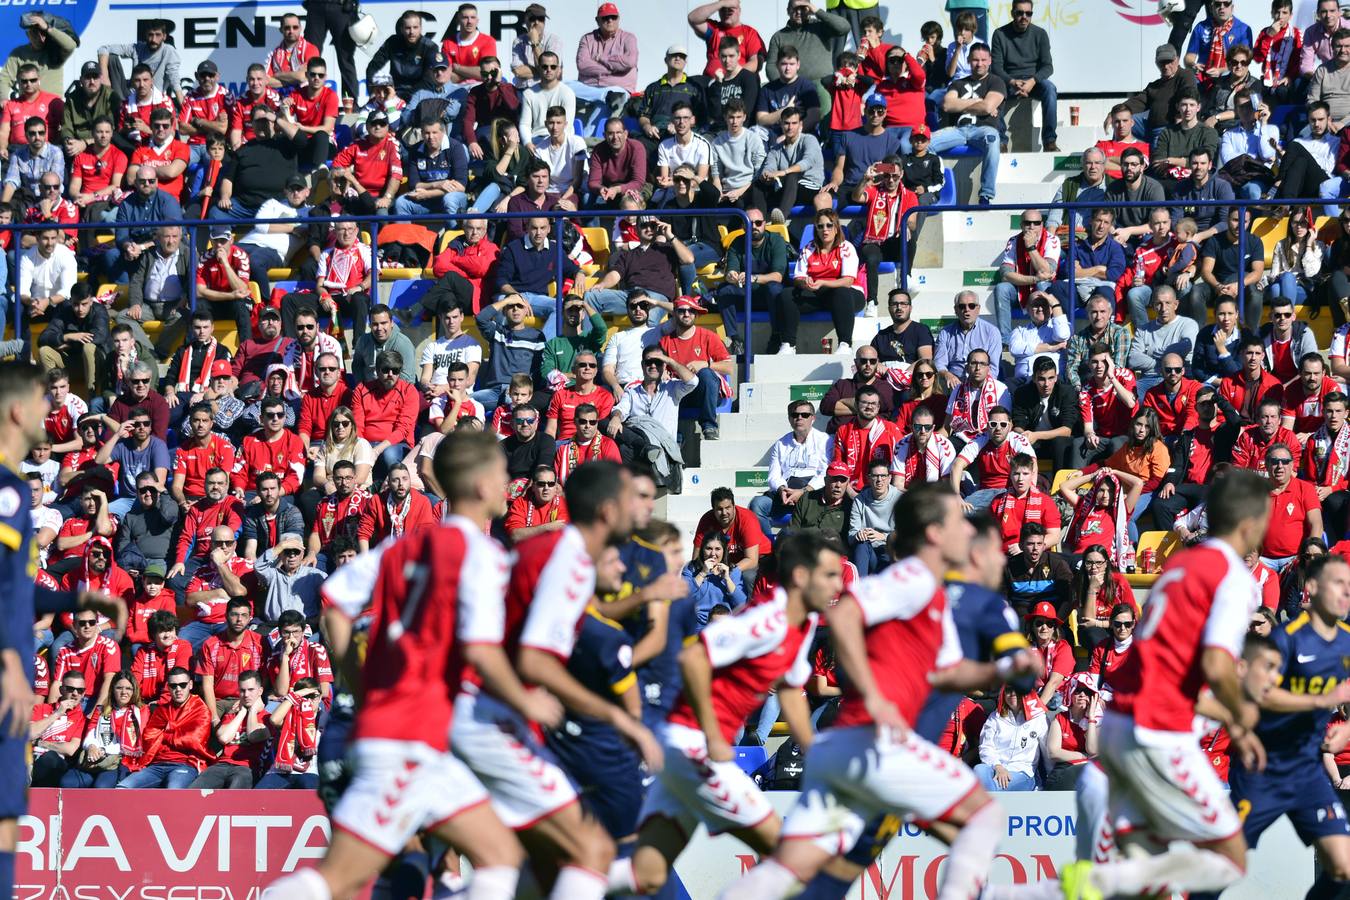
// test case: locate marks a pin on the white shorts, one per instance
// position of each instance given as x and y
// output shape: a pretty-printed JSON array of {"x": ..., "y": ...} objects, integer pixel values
[
  {"x": 855, "y": 774},
  {"x": 1165, "y": 787},
  {"x": 400, "y": 788},
  {"x": 522, "y": 777},
  {"x": 692, "y": 789}
]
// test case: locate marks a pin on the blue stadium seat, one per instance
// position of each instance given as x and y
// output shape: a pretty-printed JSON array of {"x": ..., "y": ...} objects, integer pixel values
[
  {"x": 947, "y": 197},
  {"x": 407, "y": 293},
  {"x": 750, "y": 759},
  {"x": 960, "y": 151}
]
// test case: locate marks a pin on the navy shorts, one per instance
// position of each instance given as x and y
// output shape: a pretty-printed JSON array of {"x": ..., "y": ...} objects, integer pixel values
[
  {"x": 873, "y": 840},
  {"x": 608, "y": 775},
  {"x": 1305, "y": 796},
  {"x": 13, "y": 789}
]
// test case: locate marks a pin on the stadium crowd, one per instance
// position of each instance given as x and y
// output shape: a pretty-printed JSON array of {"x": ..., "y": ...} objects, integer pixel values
[{"x": 216, "y": 490}]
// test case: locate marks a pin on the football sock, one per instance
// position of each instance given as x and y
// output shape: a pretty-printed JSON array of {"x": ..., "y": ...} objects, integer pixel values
[
  {"x": 493, "y": 883},
  {"x": 576, "y": 883},
  {"x": 972, "y": 853},
  {"x": 825, "y": 887},
  {"x": 769, "y": 880}
]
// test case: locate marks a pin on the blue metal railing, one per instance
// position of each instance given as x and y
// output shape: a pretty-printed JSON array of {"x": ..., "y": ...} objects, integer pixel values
[{"x": 559, "y": 217}]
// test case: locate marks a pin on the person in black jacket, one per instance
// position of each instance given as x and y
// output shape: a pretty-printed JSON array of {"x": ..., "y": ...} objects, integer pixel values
[
  {"x": 1193, "y": 457},
  {"x": 408, "y": 54},
  {"x": 921, "y": 171},
  {"x": 1045, "y": 412},
  {"x": 1036, "y": 574},
  {"x": 76, "y": 337}
]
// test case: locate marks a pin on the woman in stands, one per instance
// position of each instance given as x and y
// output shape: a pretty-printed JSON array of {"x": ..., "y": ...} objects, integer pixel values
[
  {"x": 1297, "y": 260},
  {"x": 503, "y": 168},
  {"x": 1010, "y": 743},
  {"x": 1108, "y": 655},
  {"x": 1071, "y": 739},
  {"x": 1293, "y": 581},
  {"x": 824, "y": 278},
  {"x": 1098, "y": 588},
  {"x": 711, "y": 581},
  {"x": 1044, "y": 632},
  {"x": 112, "y": 736},
  {"x": 923, "y": 391},
  {"x": 1145, "y": 457},
  {"x": 1100, "y": 515},
  {"x": 342, "y": 442}
]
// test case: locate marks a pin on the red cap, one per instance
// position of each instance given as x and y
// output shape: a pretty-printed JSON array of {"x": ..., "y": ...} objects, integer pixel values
[
  {"x": 920, "y": 130},
  {"x": 606, "y": 9},
  {"x": 221, "y": 368},
  {"x": 1044, "y": 610},
  {"x": 689, "y": 303},
  {"x": 839, "y": 470}
]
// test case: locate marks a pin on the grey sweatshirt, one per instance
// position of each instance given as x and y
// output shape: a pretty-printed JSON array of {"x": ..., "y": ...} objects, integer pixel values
[
  {"x": 1152, "y": 342},
  {"x": 805, "y": 153},
  {"x": 870, "y": 512},
  {"x": 1021, "y": 55},
  {"x": 814, "y": 42},
  {"x": 736, "y": 161}
]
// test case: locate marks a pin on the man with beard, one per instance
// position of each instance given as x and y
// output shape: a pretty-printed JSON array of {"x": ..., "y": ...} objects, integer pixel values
[
  {"x": 1037, "y": 574},
  {"x": 1134, "y": 185},
  {"x": 1046, "y": 413},
  {"x": 1193, "y": 457},
  {"x": 399, "y": 510},
  {"x": 1325, "y": 461},
  {"x": 339, "y": 515}
]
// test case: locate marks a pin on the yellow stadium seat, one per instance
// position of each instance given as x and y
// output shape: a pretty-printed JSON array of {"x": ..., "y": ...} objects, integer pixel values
[
  {"x": 1061, "y": 476},
  {"x": 449, "y": 235},
  {"x": 597, "y": 238}
]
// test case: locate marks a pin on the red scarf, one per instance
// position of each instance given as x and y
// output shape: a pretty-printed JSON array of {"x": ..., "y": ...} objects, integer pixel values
[
  {"x": 345, "y": 510},
  {"x": 398, "y": 513},
  {"x": 1333, "y": 466},
  {"x": 572, "y": 458},
  {"x": 1087, "y": 504},
  {"x": 1022, "y": 256},
  {"x": 881, "y": 215},
  {"x": 298, "y": 740},
  {"x": 970, "y": 409},
  {"x": 1005, "y": 503},
  {"x": 185, "y": 382},
  {"x": 124, "y": 726},
  {"x": 1218, "y": 56}
]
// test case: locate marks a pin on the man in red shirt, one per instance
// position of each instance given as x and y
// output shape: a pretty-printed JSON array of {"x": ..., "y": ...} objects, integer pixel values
[
  {"x": 1250, "y": 385},
  {"x": 566, "y": 402},
  {"x": 1120, "y": 123},
  {"x": 133, "y": 122},
  {"x": 366, "y": 174},
  {"x": 746, "y": 542},
  {"x": 1303, "y": 398},
  {"x": 466, "y": 48},
  {"x": 94, "y": 656},
  {"x": 1107, "y": 403},
  {"x": 1162, "y": 786},
  {"x": 1023, "y": 502},
  {"x": 286, "y": 62},
  {"x": 1295, "y": 509},
  {"x": 164, "y": 153},
  {"x": 223, "y": 577},
  {"x": 206, "y": 110},
  {"x": 586, "y": 444},
  {"x": 275, "y": 448},
  {"x": 386, "y": 411},
  {"x": 151, "y": 599},
  {"x": 216, "y": 507},
  {"x": 471, "y": 255},
  {"x": 174, "y": 743},
  {"x": 198, "y": 453},
  {"x": 397, "y": 511},
  {"x": 318, "y": 403},
  {"x": 729, "y": 25},
  {"x": 1173, "y": 398},
  {"x": 1249, "y": 451},
  {"x": 703, "y": 353},
  {"x": 256, "y": 93},
  {"x": 57, "y": 730},
  {"x": 345, "y": 278},
  {"x": 865, "y": 438},
  {"x": 97, "y": 173},
  {"x": 164, "y": 652},
  {"x": 314, "y": 109},
  {"x": 224, "y": 656},
  {"x": 32, "y": 101},
  {"x": 539, "y": 509},
  {"x": 223, "y": 277},
  {"x": 242, "y": 735},
  {"x": 338, "y": 515},
  {"x": 993, "y": 451}
]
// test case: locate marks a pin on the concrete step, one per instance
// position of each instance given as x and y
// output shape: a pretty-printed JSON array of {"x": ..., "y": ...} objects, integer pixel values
[
  {"x": 690, "y": 506},
  {"x": 766, "y": 426},
  {"x": 769, "y": 397},
  {"x": 804, "y": 366},
  {"x": 739, "y": 450},
  {"x": 952, "y": 279},
  {"x": 978, "y": 252},
  {"x": 1023, "y": 168},
  {"x": 967, "y": 226},
  {"x": 704, "y": 480},
  {"x": 1030, "y": 194}
]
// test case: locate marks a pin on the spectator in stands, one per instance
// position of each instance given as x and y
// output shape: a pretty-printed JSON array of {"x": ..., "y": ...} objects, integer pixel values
[
  {"x": 112, "y": 738},
  {"x": 1207, "y": 50},
  {"x": 1173, "y": 397},
  {"x": 286, "y": 63},
  {"x": 560, "y": 352},
  {"x": 797, "y": 465},
  {"x": 453, "y": 345},
  {"x": 242, "y": 736},
  {"x": 76, "y": 336},
  {"x": 164, "y": 152},
  {"x": 152, "y": 51},
  {"x": 1010, "y": 742},
  {"x": 1304, "y": 396},
  {"x": 53, "y": 209},
  {"x": 827, "y": 509},
  {"x": 1107, "y": 402},
  {"x": 199, "y": 451},
  {"x": 158, "y": 282},
  {"x": 206, "y": 110},
  {"x": 1028, "y": 264},
  {"x": 1317, "y": 37},
  {"x": 924, "y": 455},
  {"x": 270, "y": 348},
  {"x": 1171, "y": 158},
  {"x": 1160, "y": 258},
  {"x": 865, "y": 437},
  {"x": 565, "y": 155},
  {"x": 440, "y": 98},
  {"x": 145, "y": 534},
  {"x": 824, "y": 279},
  {"x": 1021, "y": 58},
  {"x": 528, "y": 265},
  {"x": 663, "y": 97},
  {"x": 274, "y": 448},
  {"x": 538, "y": 99},
  {"x": 902, "y": 87},
  {"x": 1072, "y": 738},
  {"x": 438, "y": 172},
  {"x": 584, "y": 389},
  {"x": 133, "y": 450},
  {"x": 1153, "y": 106},
  {"x": 1216, "y": 345},
  {"x": 470, "y": 256},
  {"x": 48, "y": 49},
  {"x": 1251, "y": 136},
  {"x": 957, "y": 339},
  {"x": 513, "y": 347},
  {"x": 1295, "y": 510},
  {"x": 1134, "y": 186},
  {"x": 1330, "y": 83},
  {"x": 607, "y": 62},
  {"x": 532, "y": 42},
  {"x": 1221, "y": 270},
  {"x": 769, "y": 255},
  {"x": 974, "y": 398},
  {"x": 192, "y": 366},
  {"x": 905, "y": 341},
  {"x": 735, "y": 82},
  {"x": 396, "y": 511},
  {"x": 216, "y": 586},
  {"x": 338, "y": 514},
  {"x": 1036, "y": 574},
  {"x": 1046, "y": 412},
  {"x": 91, "y": 653},
  {"x": 712, "y": 582},
  {"x": 1201, "y": 185},
  {"x": 737, "y": 159},
  {"x": 728, "y": 25},
  {"x": 56, "y": 730},
  {"x": 384, "y": 336},
  {"x": 1044, "y": 336},
  {"x": 993, "y": 449},
  {"x": 972, "y": 108},
  {"x": 313, "y": 109},
  {"x": 1325, "y": 461},
  {"x": 1255, "y": 441},
  {"x": 540, "y": 509},
  {"x": 872, "y": 518},
  {"x": 813, "y": 33},
  {"x": 1120, "y": 124},
  {"x": 1168, "y": 333},
  {"x": 146, "y": 203},
  {"x": 857, "y": 151},
  {"x": 884, "y": 200},
  {"x": 702, "y": 352},
  {"x": 272, "y": 514},
  {"x": 838, "y": 401},
  {"x": 133, "y": 118},
  {"x": 223, "y": 279},
  {"x": 97, "y": 174},
  {"x": 174, "y": 743},
  {"x": 645, "y": 421},
  {"x": 366, "y": 174},
  {"x": 1085, "y": 187},
  {"x": 408, "y": 53},
  {"x": 1288, "y": 342},
  {"x": 618, "y": 166},
  {"x": 683, "y": 148},
  {"x": 1297, "y": 261},
  {"x": 1193, "y": 456},
  {"x": 1223, "y": 94},
  {"x": 288, "y": 584},
  {"x": 747, "y": 546},
  {"x": 524, "y": 447},
  {"x": 586, "y": 442},
  {"x": 31, "y": 102},
  {"x": 385, "y": 408}
]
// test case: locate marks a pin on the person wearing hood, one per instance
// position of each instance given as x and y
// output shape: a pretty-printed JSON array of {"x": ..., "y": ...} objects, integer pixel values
[
  {"x": 1010, "y": 742},
  {"x": 384, "y": 335}
]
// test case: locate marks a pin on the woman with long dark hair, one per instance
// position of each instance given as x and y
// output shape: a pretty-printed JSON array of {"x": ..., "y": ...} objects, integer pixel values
[
  {"x": 1098, "y": 588},
  {"x": 823, "y": 279},
  {"x": 112, "y": 736}
]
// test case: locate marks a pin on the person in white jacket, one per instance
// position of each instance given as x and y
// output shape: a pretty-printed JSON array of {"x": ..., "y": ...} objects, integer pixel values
[
  {"x": 1047, "y": 334},
  {"x": 1296, "y": 261},
  {"x": 1010, "y": 743}
]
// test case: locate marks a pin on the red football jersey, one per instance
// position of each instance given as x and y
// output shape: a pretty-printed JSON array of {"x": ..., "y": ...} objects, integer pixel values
[{"x": 1204, "y": 598}]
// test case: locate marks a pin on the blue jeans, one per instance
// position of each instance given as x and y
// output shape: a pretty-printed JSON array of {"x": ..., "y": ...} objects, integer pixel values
[
  {"x": 1331, "y": 190},
  {"x": 1287, "y": 285},
  {"x": 1139, "y": 298},
  {"x": 196, "y": 632},
  {"x": 121, "y": 506},
  {"x": 598, "y": 97},
  {"x": 614, "y": 302},
  {"x": 1144, "y": 382},
  {"x": 236, "y": 211},
  {"x": 704, "y": 254},
  {"x": 1005, "y": 298},
  {"x": 1048, "y": 94},
  {"x": 1017, "y": 781},
  {"x": 390, "y": 457},
  {"x": 490, "y": 397},
  {"x": 869, "y": 559},
  {"x": 705, "y": 398},
  {"x": 452, "y": 204},
  {"x": 903, "y": 132},
  {"x": 1145, "y": 500},
  {"x": 981, "y": 137},
  {"x": 766, "y": 508},
  {"x": 487, "y": 198},
  {"x": 543, "y": 306},
  {"x": 160, "y": 775},
  {"x": 78, "y": 778},
  {"x": 729, "y": 301},
  {"x": 982, "y": 498},
  {"x": 290, "y": 781}
]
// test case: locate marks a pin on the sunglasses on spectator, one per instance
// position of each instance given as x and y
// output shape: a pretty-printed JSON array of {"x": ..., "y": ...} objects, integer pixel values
[
  {"x": 388, "y": 370},
  {"x": 141, "y": 423},
  {"x": 865, "y": 360},
  {"x": 922, "y": 427},
  {"x": 179, "y": 685},
  {"x": 588, "y": 421},
  {"x": 1173, "y": 370},
  {"x": 313, "y": 74},
  {"x": 300, "y": 326},
  {"x": 1000, "y": 424},
  {"x": 585, "y": 365},
  {"x": 550, "y": 67},
  {"x": 148, "y": 489},
  {"x": 526, "y": 420},
  {"x": 756, "y": 222},
  {"x": 71, "y": 689},
  {"x": 1282, "y": 315},
  {"x": 545, "y": 484},
  {"x": 1027, "y": 222},
  {"x": 1122, "y": 623},
  {"x": 924, "y": 375},
  {"x": 343, "y": 422},
  {"x": 85, "y": 623},
  {"x": 28, "y": 81},
  {"x": 1280, "y": 461},
  {"x": 51, "y": 187},
  {"x": 799, "y": 414},
  {"x": 652, "y": 361},
  {"x": 329, "y": 369},
  {"x": 1021, "y": 14},
  {"x": 967, "y": 306},
  {"x": 222, "y": 541},
  {"x": 147, "y": 180}
]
